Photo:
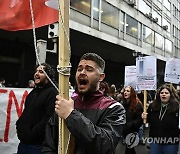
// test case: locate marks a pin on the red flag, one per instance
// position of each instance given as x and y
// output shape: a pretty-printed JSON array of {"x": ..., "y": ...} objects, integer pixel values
[{"x": 15, "y": 14}]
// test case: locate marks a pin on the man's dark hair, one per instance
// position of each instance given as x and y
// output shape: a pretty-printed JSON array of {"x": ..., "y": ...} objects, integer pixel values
[
  {"x": 2, "y": 79},
  {"x": 96, "y": 58},
  {"x": 49, "y": 70}
]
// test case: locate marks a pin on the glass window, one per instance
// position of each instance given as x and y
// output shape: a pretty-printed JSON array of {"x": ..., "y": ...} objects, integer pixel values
[
  {"x": 83, "y": 6},
  {"x": 157, "y": 16},
  {"x": 148, "y": 35},
  {"x": 140, "y": 31},
  {"x": 176, "y": 33},
  {"x": 110, "y": 15},
  {"x": 96, "y": 9},
  {"x": 167, "y": 7},
  {"x": 174, "y": 12},
  {"x": 159, "y": 41},
  {"x": 143, "y": 7},
  {"x": 166, "y": 23},
  {"x": 122, "y": 18},
  {"x": 167, "y": 4},
  {"x": 168, "y": 13},
  {"x": 168, "y": 45},
  {"x": 131, "y": 26},
  {"x": 174, "y": 30}
]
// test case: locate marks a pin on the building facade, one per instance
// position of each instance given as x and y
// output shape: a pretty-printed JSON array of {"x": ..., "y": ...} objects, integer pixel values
[
  {"x": 115, "y": 29},
  {"x": 149, "y": 27}
]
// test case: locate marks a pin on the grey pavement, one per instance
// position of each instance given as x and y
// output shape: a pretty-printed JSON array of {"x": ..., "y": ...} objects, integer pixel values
[{"x": 140, "y": 149}]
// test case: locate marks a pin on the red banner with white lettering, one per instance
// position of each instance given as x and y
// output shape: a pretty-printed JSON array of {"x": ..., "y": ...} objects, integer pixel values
[
  {"x": 15, "y": 14},
  {"x": 11, "y": 107}
]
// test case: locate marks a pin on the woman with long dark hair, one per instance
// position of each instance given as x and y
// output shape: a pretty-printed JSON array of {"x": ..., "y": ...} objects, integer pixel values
[{"x": 163, "y": 118}]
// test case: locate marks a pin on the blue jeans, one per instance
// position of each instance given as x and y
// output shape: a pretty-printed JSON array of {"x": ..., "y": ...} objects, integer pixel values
[
  {"x": 156, "y": 148},
  {"x": 29, "y": 149},
  {"x": 140, "y": 133}
]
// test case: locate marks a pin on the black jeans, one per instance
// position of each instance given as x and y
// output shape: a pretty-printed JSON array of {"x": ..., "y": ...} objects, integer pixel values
[
  {"x": 29, "y": 149},
  {"x": 130, "y": 151}
]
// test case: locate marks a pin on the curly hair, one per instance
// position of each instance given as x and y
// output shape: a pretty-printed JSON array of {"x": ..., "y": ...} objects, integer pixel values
[{"x": 49, "y": 70}]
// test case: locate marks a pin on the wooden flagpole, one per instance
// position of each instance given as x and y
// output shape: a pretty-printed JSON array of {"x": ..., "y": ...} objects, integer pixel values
[
  {"x": 145, "y": 105},
  {"x": 64, "y": 60}
]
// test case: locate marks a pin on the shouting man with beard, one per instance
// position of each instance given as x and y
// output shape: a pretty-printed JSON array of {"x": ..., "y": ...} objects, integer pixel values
[
  {"x": 39, "y": 107},
  {"x": 94, "y": 120}
]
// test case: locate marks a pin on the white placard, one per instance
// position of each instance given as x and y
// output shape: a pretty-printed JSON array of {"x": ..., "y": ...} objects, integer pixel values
[
  {"x": 11, "y": 106},
  {"x": 146, "y": 73},
  {"x": 130, "y": 78},
  {"x": 172, "y": 71}
]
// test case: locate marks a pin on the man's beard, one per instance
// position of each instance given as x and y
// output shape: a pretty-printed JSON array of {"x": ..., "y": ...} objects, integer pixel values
[
  {"x": 41, "y": 83},
  {"x": 92, "y": 88}
]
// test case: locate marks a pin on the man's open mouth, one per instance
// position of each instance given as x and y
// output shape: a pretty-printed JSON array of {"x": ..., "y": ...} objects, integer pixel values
[{"x": 83, "y": 82}]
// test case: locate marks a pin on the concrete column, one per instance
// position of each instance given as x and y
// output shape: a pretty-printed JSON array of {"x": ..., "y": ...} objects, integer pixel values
[{"x": 41, "y": 48}]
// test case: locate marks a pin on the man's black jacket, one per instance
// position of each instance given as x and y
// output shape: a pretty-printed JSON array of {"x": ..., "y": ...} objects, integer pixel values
[{"x": 96, "y": 124}]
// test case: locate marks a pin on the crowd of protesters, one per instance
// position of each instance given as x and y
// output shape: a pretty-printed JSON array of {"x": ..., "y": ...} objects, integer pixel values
[
  {"x": 162, "y": 116},
  {"x": 162, "y": 113}
]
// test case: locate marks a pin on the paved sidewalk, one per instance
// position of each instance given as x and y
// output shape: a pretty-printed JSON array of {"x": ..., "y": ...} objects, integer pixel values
[{"x": 140, "y": 149}]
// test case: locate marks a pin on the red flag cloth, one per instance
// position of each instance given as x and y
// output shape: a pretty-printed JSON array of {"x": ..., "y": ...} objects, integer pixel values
[{"x": 15, "y": 14}]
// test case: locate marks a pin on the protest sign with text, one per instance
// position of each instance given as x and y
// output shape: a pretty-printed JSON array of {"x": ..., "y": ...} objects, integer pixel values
[
  {"x": 146, "y": 73},
  {"x": 11, "y": 107}
]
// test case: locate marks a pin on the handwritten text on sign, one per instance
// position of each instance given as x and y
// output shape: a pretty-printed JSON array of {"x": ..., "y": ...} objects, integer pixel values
[{"x": 11, "y": 107}]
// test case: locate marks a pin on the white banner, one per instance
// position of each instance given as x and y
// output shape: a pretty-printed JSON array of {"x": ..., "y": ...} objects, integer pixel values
[
  {"x": 11, "y": 106},
  {"x": 172, "y": 71},
  {"x": 130, "y": 78},
  {"x": 146, "y": 73}
]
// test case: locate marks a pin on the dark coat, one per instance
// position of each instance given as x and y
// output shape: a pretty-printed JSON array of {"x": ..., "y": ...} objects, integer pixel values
[
  {"x": 167, "y": 127},
  {"x": 133, "y": 119},
  {"x": 39, "y": 107}
]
